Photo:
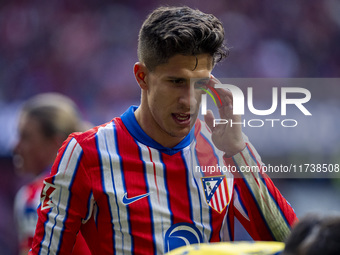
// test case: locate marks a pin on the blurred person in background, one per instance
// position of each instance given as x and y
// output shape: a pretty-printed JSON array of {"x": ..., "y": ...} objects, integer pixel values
[
  {"x": 45, "y": 122},
  {"x": 315, "y": 235}
]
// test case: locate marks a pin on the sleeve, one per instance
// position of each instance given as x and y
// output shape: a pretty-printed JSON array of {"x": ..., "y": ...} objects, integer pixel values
[
  {"x": 64, "y": 202},
  {"x": 258, "y": 204},
  {"x": 25, "y": 218}
]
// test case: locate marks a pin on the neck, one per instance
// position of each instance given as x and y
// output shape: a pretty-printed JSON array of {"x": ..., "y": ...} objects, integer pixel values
[{"x": 151, "y": 128}]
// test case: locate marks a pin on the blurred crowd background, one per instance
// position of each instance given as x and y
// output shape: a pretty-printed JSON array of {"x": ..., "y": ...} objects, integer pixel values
[{"x": 86, "y": 49}]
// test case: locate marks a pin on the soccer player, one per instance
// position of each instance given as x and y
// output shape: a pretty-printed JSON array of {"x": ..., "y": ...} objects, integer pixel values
[
  {"x": 45, "y": 122},
  {"x": 131, "y": 186}
]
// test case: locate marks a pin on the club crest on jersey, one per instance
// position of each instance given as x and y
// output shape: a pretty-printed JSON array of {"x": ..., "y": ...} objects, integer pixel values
[
  {"x": 48, "y": 192},
  {"x": 216, "y": 192}
]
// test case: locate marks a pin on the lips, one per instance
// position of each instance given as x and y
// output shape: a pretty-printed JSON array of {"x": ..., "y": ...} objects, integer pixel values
[{"x": 182, "y": 118}]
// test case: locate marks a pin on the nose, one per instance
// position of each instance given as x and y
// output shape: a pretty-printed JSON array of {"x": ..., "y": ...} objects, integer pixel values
[
  {"x": 16, "y": 148},
  {"x": 187, "y": 98},
  {"x": 18, "y": 160}
]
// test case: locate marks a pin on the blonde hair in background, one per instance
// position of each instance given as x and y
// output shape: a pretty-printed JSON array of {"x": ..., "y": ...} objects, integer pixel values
[{"x": 57, "y": 114}]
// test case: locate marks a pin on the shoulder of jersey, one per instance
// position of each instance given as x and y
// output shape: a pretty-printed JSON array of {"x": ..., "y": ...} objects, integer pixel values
[{"x": 89, "y": 134}]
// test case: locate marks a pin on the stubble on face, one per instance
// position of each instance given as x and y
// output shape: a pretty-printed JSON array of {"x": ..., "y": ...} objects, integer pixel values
[{"x": 170, "y": 104}]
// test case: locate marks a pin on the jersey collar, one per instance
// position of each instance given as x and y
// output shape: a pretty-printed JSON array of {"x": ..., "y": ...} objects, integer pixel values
[{"x": 130, "y": 122}]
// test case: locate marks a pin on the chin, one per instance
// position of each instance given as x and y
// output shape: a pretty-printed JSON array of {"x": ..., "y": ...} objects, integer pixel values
[{"x": 183, "y": 133}]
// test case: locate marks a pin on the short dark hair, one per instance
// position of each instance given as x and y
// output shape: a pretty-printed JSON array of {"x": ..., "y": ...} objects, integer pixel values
[
  {"x": 168, "y": 31},
  {"x": 315, "y": 235}
]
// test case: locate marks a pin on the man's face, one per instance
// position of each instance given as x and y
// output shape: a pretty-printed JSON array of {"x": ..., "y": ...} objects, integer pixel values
[
  {"x": 173, "y": 103},
  {"x": 33, "y": 148}
]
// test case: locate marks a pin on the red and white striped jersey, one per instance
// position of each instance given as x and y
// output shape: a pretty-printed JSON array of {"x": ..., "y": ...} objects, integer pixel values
[
  {"x": 26, "y": 202},
  {"x": 25, "y": 210},
  {"x": 127, "y": 194}
]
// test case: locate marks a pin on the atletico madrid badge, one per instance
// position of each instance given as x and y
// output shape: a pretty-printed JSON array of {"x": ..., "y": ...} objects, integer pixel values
[{"x": 216, "y": 192}]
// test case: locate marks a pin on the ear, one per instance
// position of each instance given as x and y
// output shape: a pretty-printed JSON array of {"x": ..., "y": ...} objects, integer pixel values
[{"x": 141, "y": 72}]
